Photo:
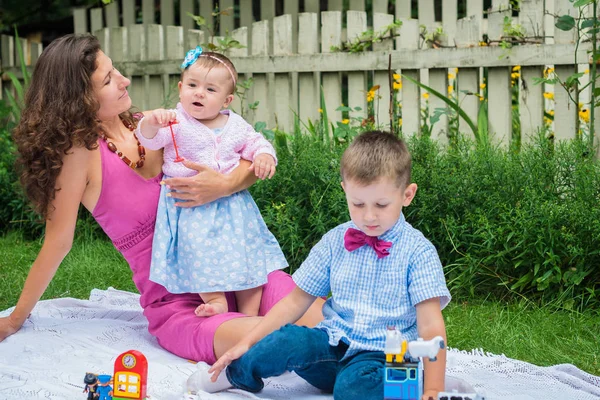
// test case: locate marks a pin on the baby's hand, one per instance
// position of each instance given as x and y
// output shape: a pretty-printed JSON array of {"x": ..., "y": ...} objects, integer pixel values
[
  {"x": 161, "y": 118},
  {"x": 263, "y": 166}
]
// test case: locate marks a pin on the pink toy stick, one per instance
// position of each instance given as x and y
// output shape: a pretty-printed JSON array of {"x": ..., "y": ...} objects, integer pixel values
[{"x": 177, "y": 158}]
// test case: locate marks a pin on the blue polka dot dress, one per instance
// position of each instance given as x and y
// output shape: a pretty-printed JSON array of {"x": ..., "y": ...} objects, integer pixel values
[{"x": 221, "y": 246}]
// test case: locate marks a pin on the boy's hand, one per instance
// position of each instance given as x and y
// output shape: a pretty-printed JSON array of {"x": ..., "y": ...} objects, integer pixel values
[
  {"x": 263, "y": 166},
  {"x": 160, "y": 118},
  {"x": 232, "y": 354},
  {"x": 430, "y": 395}
]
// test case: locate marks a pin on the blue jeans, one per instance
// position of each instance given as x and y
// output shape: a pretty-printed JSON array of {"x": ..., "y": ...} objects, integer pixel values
[{"x": 307, "y": 352}]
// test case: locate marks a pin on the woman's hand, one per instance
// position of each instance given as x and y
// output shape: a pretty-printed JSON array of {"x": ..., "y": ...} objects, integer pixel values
[
  {"x": 233, "y": 354},
  {"x": 263, "y": 166},
  {"x": 7, "y": 327},
  {"x": 208, "y": 185}
]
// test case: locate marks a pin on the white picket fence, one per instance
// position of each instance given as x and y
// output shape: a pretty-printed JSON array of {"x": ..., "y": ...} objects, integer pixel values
[
  {"x": 289, "y": 58},
  {"x": 130, "y": 12}
]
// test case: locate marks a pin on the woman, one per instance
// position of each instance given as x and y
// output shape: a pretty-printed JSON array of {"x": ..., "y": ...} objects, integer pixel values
[{"x": 76, "y": 145}]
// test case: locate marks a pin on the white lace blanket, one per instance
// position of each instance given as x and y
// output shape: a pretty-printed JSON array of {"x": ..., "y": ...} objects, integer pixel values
[{"x": 65, "y": 338}]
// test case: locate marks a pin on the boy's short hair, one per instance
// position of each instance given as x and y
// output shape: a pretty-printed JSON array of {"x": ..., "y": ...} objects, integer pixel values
[
  {"x": 374, "y": 155},
  {"x": 211, "y": 60}
]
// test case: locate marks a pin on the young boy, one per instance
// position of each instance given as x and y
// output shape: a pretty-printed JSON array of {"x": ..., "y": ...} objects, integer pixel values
[{"x": 380, "y": 272}]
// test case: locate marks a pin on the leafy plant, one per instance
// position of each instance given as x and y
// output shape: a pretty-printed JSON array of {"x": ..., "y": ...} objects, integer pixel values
[
  {"x": 366, "y": 39},
  {"x": 588, "y": 29},
  {"x": 222, "y": 44},
  {"x": 477, "y": 132},
  {"x": 16, "y": 101}
]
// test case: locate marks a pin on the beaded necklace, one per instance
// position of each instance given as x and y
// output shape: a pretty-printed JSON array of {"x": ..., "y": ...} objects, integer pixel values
[{"x": 141, "y": 150}]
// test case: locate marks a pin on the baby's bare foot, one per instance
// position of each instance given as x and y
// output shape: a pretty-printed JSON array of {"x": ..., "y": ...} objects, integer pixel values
[{"x": 209, "y": 309}]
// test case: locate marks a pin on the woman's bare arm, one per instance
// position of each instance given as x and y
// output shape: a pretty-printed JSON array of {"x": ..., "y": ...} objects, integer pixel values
[{"x": 60, "y": 228}]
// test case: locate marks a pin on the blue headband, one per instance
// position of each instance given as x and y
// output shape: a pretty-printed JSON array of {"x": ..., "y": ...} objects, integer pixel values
[{"x": 192, "y": 55}]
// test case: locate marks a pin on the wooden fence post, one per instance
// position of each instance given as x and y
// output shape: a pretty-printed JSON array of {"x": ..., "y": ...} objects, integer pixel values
[
  {"x": 411, "y": 104},
  {"x": 467, "y": 35},
  {"x": 260, "y": 90},
  {"x": 565, "y": 112},
  {"x": 308, "y": 82},
  {"x": 284, "y": 103},
  {"x": 331, "y": 35},
  {"x": 356, "y": 21},
  {"x": 382, "y": 78}
]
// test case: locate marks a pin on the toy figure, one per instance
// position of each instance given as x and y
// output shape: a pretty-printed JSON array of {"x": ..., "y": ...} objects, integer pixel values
[
  {"x": 455, "y": 395},
  {"x": 91, "y": 385},
  {"x": 394, "y": 345},
  {"x": 104, "y": 389},
  {"x": 403, "y": 374}
]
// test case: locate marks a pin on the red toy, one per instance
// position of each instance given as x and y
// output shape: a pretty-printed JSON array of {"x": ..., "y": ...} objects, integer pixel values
[
  {"x": 177, "y": 158},
  {"x": 131, "y": 376}
]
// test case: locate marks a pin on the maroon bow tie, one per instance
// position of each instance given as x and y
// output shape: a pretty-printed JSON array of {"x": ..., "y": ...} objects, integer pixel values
[{"x": 353, "y": 239}]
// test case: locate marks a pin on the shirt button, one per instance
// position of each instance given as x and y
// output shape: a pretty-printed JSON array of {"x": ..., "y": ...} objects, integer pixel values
[{"x": 218, "y": 139}]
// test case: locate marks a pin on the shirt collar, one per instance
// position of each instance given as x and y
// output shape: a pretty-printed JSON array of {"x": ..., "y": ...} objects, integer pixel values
[{"x": 395, "y": 231}]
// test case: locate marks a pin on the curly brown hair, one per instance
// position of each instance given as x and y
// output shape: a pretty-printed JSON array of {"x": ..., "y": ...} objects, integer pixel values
[{"x": 59, "y": 113}]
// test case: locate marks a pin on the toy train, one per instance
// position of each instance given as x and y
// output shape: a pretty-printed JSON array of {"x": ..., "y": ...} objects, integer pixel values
[{"x": 403, "y": 371}]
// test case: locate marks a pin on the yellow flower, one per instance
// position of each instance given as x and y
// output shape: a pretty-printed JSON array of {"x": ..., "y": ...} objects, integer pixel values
[
  {"x": 425, "y": 95},
  {"x": 345, "y": 121},
  {"x": 483, "y": 44},
  {"x": 547, "y": 120},
  {"x": 551, "y": 112},
  {"x": 587, "y": 71},
  {"x": 549, "y": 95},
  {"x": 516, "y": 68},
  {"x": 480, "y": 97},
  {"x": 584, "y": 115},
  {"x": 397, "y": 85},
  {"x": 450, "y": 89},
  {"x": 396, "y": 77},
  {"x": 548, "y": 71},
  {"x": 451, "y": 75},
  {"x": 370, "y": 96},
  {"x": 399, "y": 121},
  {"x": 482, "y": 86},
  {"x": 515, "y": 75},
  {"x": 456, "y": 70},
  {"x": 320, "y": 111},
  {"x": 512, "y": 82}
]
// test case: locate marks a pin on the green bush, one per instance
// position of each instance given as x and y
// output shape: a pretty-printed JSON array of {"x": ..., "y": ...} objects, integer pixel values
[
  {"x": 304, "y": 199},
  {"x": 505, "y": 224},
  {"x": 15, "y": 214}
]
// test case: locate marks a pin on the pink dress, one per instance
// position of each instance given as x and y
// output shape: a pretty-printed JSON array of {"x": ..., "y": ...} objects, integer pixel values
[{"x": 126, "y": 211}]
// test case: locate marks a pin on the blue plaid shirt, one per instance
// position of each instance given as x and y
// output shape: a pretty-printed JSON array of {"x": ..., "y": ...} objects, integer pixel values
[{"x": 369, "y": 294}]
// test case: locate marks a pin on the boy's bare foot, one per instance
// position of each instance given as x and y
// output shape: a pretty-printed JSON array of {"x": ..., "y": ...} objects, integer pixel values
[{"x": 209, "y": 309}]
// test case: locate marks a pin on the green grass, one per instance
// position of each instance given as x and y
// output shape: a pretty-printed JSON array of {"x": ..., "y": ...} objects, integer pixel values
[
  {"x": 90, "y": 264},
  {"x": 542, "y": 336}
]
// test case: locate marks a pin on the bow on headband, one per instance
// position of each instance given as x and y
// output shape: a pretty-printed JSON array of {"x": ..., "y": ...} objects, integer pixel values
[{"x": 191, "y": 57}]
